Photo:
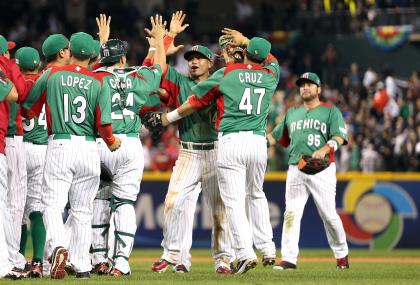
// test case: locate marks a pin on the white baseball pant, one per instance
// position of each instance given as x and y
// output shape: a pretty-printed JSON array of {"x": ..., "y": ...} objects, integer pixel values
[
  {"x": 35, "y": 160},
  {"x": 16, "y": 197},
  {"x": 5, "y": 265},
  {"x": 241, "y": 164},
  {"x": 191, "y": 168},
  {"x": 190, "y": 206},
  {"x": 126, "y": 165},
  {"x": 322, "y": 186},
  {"x": 71, "y": 172}
]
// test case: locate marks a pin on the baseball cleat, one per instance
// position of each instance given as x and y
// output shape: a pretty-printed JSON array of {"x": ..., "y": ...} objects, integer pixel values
[
  {"x": 27, "y": 266},
  {"x": 180, "y": 268},
  {"x": 285, "y": 265},
  {"x": 36, "y": 268},
  {"x": 58, "y": 262},
  {"x": 232, "y": 267},
  {"x": 102, "y": 268},
  {"x": 223, "y": 270},
  {"x": 343, "y": 263},
  {"x": 69, "y": 268},
  {"x": 161, "y": 265},
  {"x": 83, "y": 275},
  {"x": 117, "y": 273},
  {"x": 244, "y": 265},
  {"x": 267, "y": 260},
  {"x": 15, "y": 274}
]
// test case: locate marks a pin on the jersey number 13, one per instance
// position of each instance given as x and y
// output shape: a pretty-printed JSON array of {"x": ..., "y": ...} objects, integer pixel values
[{"x": 79, "y": 114}]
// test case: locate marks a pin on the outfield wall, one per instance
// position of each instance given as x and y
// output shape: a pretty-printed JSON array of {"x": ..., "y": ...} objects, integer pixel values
[{"x": 378, "y": 211}]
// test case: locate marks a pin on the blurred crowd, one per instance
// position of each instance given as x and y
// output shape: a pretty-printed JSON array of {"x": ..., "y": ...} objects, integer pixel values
[
  {"x": 382, "y": 113},
  {"x": 381, "y": 110}
]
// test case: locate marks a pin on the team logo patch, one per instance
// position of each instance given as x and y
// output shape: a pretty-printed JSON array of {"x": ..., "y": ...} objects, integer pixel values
[{"x": 343, "y": 130}]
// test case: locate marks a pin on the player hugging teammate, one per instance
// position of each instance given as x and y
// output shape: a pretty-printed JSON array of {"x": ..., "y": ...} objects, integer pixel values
[{"x": 83, "y": 114}]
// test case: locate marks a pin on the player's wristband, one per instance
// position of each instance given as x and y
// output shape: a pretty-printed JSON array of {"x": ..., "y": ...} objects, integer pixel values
[
  {"x": 333, "y": 144},
  {"x": 152, "y": 49},
  {"x": 173, "y": 116}
]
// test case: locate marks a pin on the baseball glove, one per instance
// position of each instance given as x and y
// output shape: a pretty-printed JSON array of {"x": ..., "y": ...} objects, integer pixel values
[
  {"x": 153, "y": 121},
  {"x": 310, "y": 165},
  {"x": 236, "y": 52},
  {"x": 106, "y": 174}
]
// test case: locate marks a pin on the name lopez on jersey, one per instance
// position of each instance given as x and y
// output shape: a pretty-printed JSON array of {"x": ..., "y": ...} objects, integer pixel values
[
  {"x": 73, "y": 81},
  {"x": 308, "y": 124}
]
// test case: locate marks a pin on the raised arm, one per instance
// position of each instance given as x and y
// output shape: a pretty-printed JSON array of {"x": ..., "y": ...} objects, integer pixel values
[
  {"x": 157, "y": 33},
  {"x": 104, "y": 28}
]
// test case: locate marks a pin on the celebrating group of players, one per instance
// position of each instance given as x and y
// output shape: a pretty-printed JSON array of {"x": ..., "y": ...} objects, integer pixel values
[{"x": 83, "y": 112}]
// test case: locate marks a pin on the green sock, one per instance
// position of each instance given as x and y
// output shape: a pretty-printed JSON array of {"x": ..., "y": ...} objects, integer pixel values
[
  {"x": 23, "y": 239},
  {"x": 38, "y": 234}
]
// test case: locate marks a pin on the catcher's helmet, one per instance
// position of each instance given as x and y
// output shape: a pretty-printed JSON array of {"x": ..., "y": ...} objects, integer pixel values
[{"x": 112, "y": 50}]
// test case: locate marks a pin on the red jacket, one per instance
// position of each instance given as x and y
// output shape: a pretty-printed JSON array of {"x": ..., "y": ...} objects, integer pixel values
[
  {"x": 4, "y": 121},
  {"x": 11, "y": 70}
]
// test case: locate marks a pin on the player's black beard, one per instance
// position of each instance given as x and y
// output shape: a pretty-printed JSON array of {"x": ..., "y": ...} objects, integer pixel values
[{"x": 310, "y": 98}]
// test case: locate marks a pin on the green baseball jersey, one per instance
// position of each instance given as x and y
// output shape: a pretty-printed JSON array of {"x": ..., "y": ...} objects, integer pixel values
[
  {"x": 5, "y": 87},
  {"x": 305, "y": 131},
  {"x": 76, "y": 100},
  {"x": 130, "y": 90},
  {"x": 243, "y": 94},
  {"x": 35, "y": 129},
  {"x": 198, "y": 127},
  {"x": 15, "y": 120}
]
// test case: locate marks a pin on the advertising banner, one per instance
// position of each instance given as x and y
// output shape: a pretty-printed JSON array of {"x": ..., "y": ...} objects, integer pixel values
[{"x": 378, "y": 211}]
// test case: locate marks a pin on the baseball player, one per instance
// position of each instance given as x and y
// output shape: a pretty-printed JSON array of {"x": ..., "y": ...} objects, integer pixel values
[
  {"x": 130, "y": 90},
  {"x": 16, "y": 164},
  {"x": 242, "y": 93},
  {"x": 317, "y": 129},
  {"x": 55, "y": 49},
  {"x": 7, "y": 93},
  {"x": 77, "y": 103},
  {"x": 195, "y": 168},
  {"x": 35, "y": 139}
]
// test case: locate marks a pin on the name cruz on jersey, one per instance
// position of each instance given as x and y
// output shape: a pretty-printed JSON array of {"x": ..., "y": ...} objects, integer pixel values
[{"x": 250, "y": 77}]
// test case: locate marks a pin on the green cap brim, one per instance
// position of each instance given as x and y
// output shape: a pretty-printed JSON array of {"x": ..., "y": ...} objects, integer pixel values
[
  {"x": 191, "y": 52},
  {"x": 302, "y": 80}
]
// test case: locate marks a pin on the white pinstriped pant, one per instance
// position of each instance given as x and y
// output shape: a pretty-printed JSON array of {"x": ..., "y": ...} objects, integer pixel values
[
  {"x": 322, "y": 186},
  {"x": 71, "y": 172},
  {"x": 5, "y": 265},
  {"x": 127, "y": 166},
  {"x": 35, "y": 160},
  {"x": 194, "y": 168},
  {"x": 16, "y": 197},
  {"x": 241, "y": 164}
]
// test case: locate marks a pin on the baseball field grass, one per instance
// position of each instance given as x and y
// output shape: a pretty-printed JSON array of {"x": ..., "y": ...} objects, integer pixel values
[{"x": 315, "y": 267}]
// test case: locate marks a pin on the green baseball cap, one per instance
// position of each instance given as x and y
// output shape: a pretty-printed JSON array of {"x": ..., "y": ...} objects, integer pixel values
[
  {"x": 204, "y": 51},
  {"x": 6, "y": 45},
  {"x": 258, "y": 48},
  {"x": 308, "y": 76},
  {"x": 96, "y": 48},
  {"x": 27, "y": 57},
  {"x": 53, "y": 44},
  {"x": 82, "y": 44}
]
